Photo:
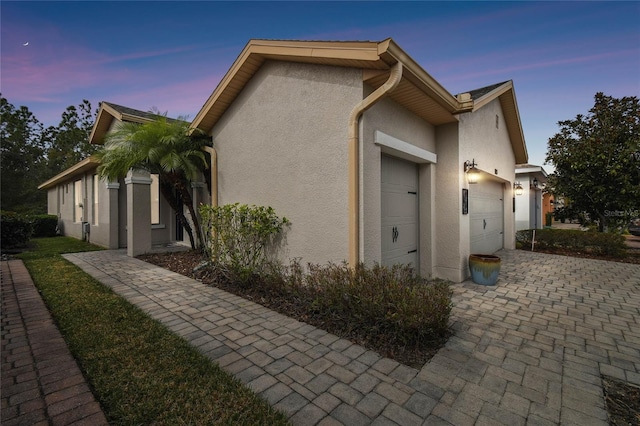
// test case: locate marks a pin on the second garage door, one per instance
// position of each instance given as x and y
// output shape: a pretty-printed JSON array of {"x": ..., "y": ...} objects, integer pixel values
[{"x": 486, "y": 210}]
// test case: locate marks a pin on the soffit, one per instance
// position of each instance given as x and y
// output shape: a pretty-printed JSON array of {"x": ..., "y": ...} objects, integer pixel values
[{"x": 413, "y": 92}]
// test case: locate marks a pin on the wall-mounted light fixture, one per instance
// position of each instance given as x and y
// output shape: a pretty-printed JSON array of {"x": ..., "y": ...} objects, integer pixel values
[
  {"x": 535, "y": 183},
  {"x": 518, "y": 189},
  {"x": 472, "y": 172}
]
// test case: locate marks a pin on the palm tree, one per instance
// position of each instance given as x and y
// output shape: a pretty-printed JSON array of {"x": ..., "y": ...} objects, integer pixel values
[{"x": 164, "y": 147}]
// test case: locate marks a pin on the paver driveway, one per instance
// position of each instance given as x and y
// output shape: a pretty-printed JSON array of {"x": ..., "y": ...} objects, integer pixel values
[{"x": 527, "y": 351}]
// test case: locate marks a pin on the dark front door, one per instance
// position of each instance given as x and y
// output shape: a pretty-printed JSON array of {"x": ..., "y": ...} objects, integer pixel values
[{"x": 179, "y": 228}]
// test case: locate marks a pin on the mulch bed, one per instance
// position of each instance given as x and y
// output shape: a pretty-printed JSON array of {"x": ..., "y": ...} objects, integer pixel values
[
  {"x": 415, "y": 356},
  {"x": 623, "y": 400},
  {"x": 633, "y": 255}
]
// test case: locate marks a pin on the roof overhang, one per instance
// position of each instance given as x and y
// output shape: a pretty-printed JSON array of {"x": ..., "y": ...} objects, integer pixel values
[
  {"x": 77, "y": 169},
  {"x": 535, "y": 171},
  {"x": 417, "y": 91},
  {"x": 507, "y": 97}
]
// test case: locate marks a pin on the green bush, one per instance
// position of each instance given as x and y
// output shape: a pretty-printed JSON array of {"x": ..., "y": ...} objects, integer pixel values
[
  {"x": 238, "y": 237},
  {"x": 44, "y": 225},
  {"x": 392, "y": 303},
  {"x": 599, "y": 243},
  {"x": 15, "y": 230}
]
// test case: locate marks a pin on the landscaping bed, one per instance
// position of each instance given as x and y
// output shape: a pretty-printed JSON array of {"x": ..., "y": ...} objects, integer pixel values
[
  {"x": 623, "y": 402},
  {"x": 376, "y": 336}
]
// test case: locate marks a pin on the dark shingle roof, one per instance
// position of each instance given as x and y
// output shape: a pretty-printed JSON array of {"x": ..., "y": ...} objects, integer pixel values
[
  {"x": 478, "y": 93},
  {"x": 135, "y": 112}
]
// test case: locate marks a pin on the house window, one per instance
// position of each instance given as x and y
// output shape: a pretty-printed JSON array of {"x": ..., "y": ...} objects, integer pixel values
[
  {"x": 155, "y": 200},
  {"x": 77, "y": 194},
  {"x": 96, "y": 197}
]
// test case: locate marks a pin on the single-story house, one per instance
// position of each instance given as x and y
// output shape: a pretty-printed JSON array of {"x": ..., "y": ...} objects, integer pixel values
[
  {"x": 102, "y": 212},
  {"x": 365, "y": 153},
  {"x": 530, "y": 201},
  {"x": 368, "y": 156}
]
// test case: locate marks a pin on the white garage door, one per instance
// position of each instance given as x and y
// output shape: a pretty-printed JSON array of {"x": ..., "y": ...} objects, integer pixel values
[
  {"x": 399, "y": 212},
  {"x": 486, "y": 209}
]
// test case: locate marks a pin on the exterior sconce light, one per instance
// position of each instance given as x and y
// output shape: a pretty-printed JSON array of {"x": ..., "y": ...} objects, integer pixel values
[
  {"x": 519, "y": 190},
  {"x": 472, "y": 172},
  {"x": 535, "y": 183}
]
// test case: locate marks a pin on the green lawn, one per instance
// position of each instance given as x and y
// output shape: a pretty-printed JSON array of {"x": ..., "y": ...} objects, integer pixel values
[{"x": 140, "y": 372}]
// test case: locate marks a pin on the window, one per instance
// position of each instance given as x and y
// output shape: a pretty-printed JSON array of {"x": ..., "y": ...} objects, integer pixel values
[
  {"x": 77, "y": 194},
  {"x": 155, "y": 200},
  {"x": 96, "y": 198}
]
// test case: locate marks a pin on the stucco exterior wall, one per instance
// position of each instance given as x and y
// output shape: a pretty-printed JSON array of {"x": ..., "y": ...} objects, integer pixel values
[
  {"x": 484, "y": 137},
  {"x": 283, "y": 143},
  {"x": 394, "y": 120},
  {"x": 449, "y": 237}
]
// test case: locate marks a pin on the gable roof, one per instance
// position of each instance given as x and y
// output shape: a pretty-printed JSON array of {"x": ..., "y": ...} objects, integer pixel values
[
  {"x": 109, "y": 111},
  {"x": 417, "y": 91},
  {"x": 506, "y": 94}
]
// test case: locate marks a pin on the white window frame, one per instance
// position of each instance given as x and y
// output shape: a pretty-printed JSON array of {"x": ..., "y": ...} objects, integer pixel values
[
  {"x": 155, "y": 199},
  {"x": 96, "y": 199},
  {"x": 77, "y": 204}
]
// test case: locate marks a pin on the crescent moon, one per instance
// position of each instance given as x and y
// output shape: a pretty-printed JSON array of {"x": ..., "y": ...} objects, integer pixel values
[{"x": 25, "y": 44}]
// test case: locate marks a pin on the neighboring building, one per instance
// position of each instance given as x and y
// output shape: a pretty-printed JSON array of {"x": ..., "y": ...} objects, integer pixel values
[
  {"x": 363, "y": 151},
  {"x": 100, "y": 211},
  {"x": 532, "y": 205}
]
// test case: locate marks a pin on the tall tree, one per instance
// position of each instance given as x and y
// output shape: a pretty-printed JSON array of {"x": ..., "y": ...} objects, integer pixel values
[
  {"x": 163, "y": 147},
  {"x": 22, "y": 149},
  {"x": 597, "y": 160},
  {"x": 68, "y": 142}
]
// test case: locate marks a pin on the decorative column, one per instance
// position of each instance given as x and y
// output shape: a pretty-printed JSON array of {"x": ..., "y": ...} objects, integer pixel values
[
  {"x": 138, "y": 212},
  {"x": 111, "y": 210}
]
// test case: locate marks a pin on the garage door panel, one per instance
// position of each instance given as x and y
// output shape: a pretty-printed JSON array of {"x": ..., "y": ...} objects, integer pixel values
[
  {"x": 399, "y": 209},
  {"x": 486, "y": 208}
]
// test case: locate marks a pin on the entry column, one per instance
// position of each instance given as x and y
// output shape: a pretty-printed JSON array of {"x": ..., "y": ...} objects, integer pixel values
[{"x": 138, "y": 212}]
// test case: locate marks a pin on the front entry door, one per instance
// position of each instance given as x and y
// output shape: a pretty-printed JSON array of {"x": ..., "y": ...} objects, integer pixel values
[
  {"x": 399, "y": 212},
  {"x": 179, "y": 228}
]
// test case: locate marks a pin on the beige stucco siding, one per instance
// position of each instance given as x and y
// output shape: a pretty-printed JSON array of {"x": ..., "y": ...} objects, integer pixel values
[
  {"x": 448, "y": 206},
  {"x": 489, "y": 144},
  {"x": 394, "y": 120},
  {"x": 283, "y": 143}
]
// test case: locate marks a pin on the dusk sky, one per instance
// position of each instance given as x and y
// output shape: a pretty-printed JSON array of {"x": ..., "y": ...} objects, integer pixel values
[{"x": 171, "y": 55}]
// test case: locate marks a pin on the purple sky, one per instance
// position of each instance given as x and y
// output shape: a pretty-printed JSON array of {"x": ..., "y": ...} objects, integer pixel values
[{"x": 171, "y": 55}]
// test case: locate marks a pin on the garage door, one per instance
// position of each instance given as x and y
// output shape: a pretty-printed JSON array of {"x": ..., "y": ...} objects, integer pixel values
[
  {"x": 399, "y": 212},
  {"x": 486, "y": 210}
]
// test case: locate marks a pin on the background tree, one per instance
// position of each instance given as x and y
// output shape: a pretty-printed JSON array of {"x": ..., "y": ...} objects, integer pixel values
[
  {"x": 68, "y": 142},
  {"x": 163, "y": 147},
  {"x": 597, "y": 161},
  {"x": 22, "y": 151},
  {"x": 32, "y": 154}
]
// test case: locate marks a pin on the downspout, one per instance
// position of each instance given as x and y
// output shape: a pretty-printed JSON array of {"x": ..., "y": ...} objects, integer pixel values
[
  {"x": 214, "y": 175},
  {"x": 354, "y": 159}
]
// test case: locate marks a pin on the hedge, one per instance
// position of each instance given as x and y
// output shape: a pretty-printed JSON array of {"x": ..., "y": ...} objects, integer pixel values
[
  {"x": 15, "y": 230},
  {"x": 600, "y": 243}
]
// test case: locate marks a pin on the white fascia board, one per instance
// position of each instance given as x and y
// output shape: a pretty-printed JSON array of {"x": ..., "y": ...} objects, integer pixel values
[{"x": 397, "y": 148}]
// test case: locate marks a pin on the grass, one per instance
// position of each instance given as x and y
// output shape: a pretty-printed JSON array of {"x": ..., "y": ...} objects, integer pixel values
[{"x": 140, "y": 372}]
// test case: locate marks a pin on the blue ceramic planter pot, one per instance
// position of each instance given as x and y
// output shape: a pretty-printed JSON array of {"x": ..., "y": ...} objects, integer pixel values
[{"x": 484, "y": 268}]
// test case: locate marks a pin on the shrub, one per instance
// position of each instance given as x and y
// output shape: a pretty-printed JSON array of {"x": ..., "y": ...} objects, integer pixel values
[
  {"x": 600, "y": 243},
  {"x": 238, "y": 237},
  {"x": 15, "y": 230},
  {"x": 44, "y": 225},
  {"x": 392, "y": 303}
]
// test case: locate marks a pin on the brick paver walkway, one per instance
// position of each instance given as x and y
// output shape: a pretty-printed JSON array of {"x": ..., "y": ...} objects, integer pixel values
[
  {"x": 527, "y": 351},
  {"x": 41, "y": 382}
]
